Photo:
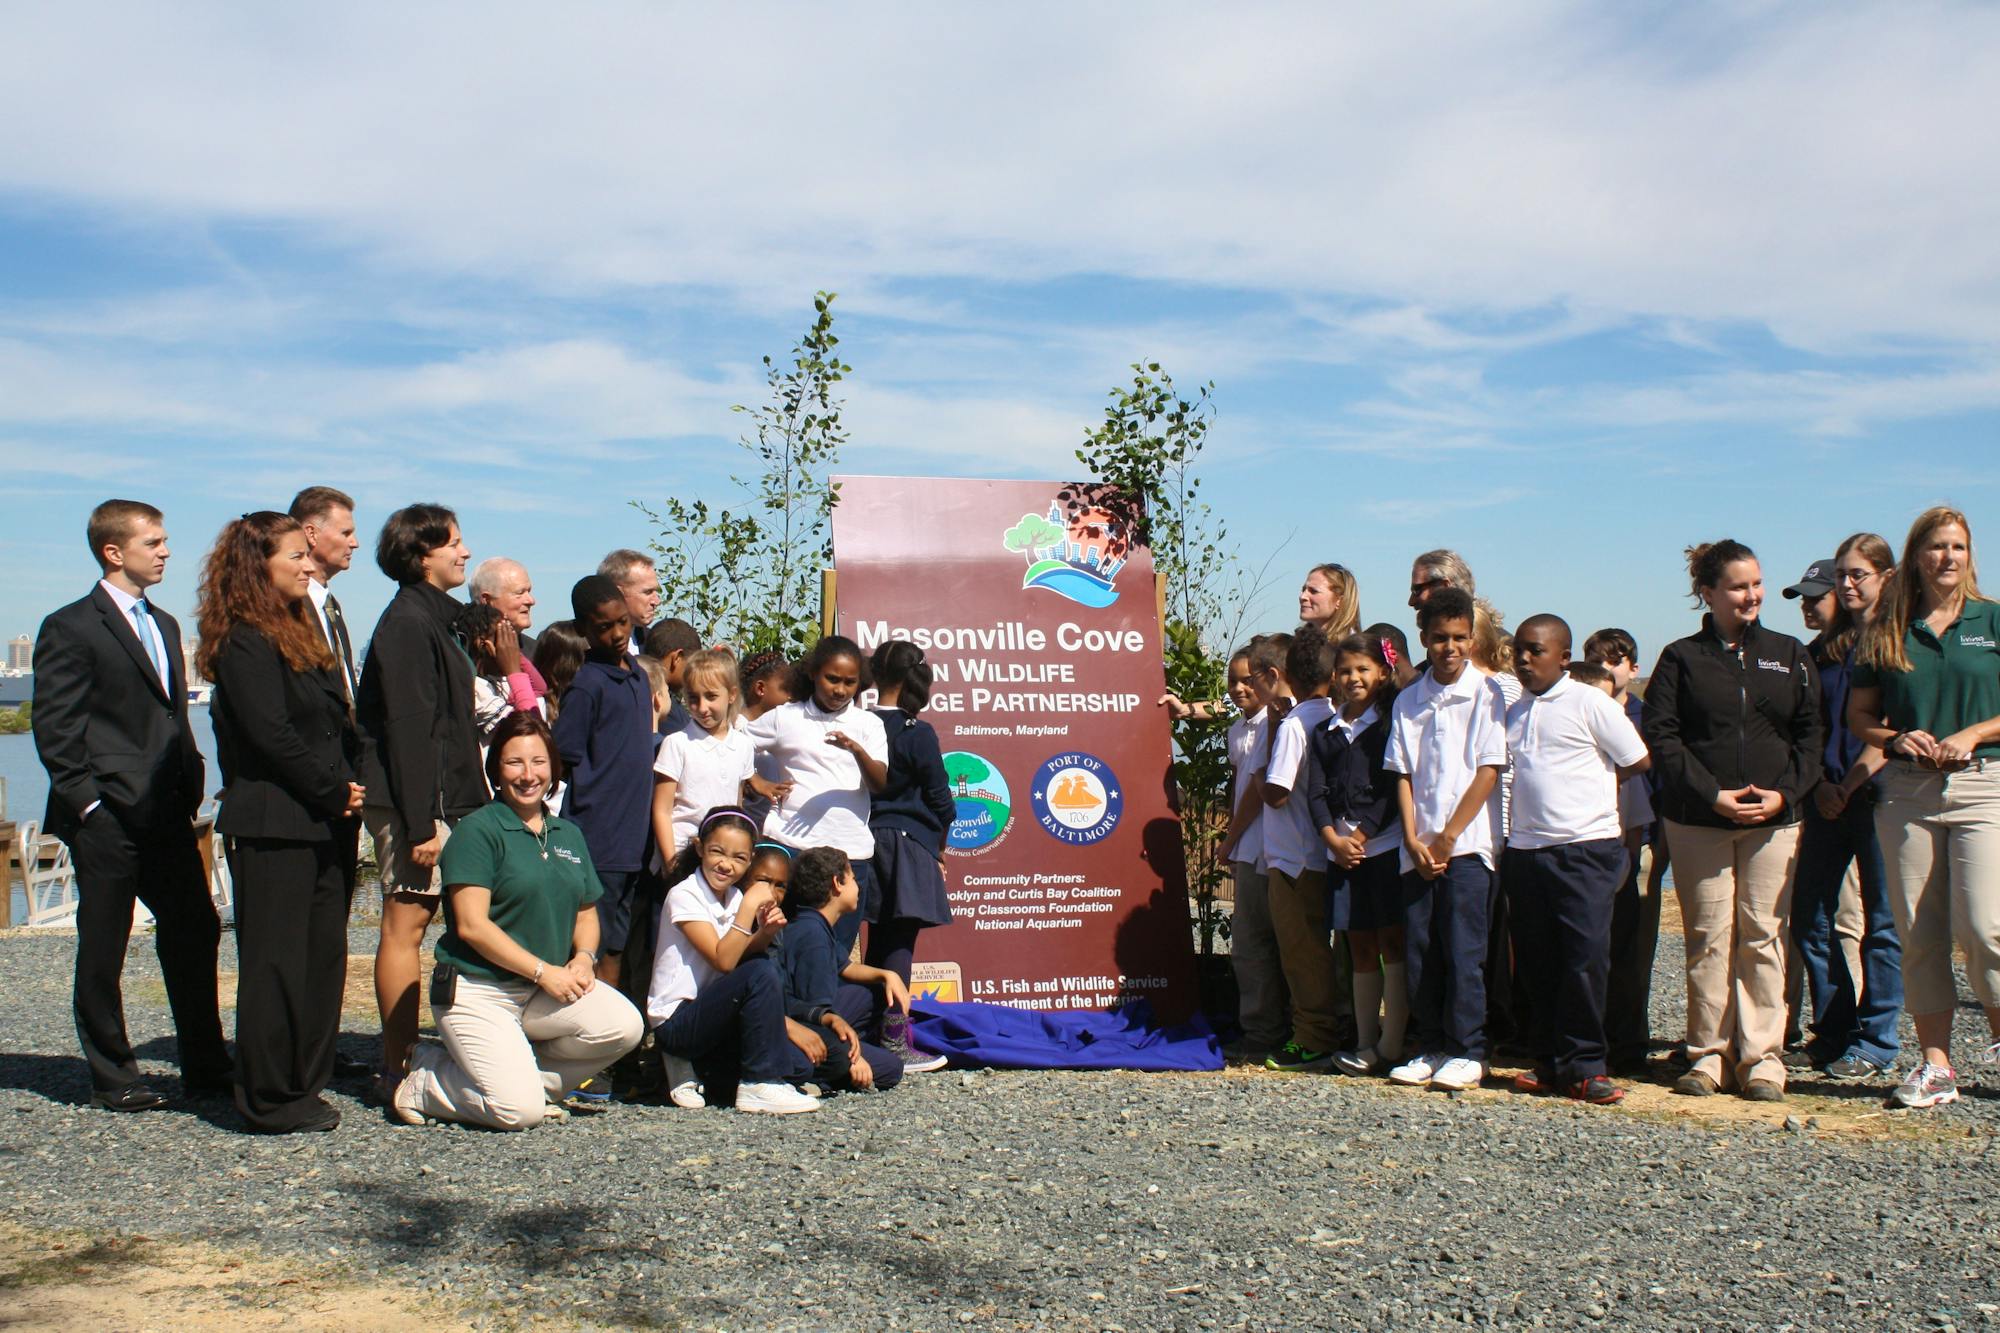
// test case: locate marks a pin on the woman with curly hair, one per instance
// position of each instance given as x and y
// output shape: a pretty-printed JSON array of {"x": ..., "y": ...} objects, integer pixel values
[{"x": 290, "y": 808}]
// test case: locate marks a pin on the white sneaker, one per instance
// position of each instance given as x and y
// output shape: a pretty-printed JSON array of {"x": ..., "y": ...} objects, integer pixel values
[
  {"x": 773, "y": 1099},
  {"x": 919, "y": 1063},
  {"x": 555, "y": 1113},
  {"x": 683, "y": 1088},
  {"x": 1417, "y": 1071},
  {"x": 407, "y": 1103},
  {"x": 1459, "y": 1074}
]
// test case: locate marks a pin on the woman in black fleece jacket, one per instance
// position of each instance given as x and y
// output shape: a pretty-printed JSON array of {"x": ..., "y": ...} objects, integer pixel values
[{"x": 1732, "y": 720}]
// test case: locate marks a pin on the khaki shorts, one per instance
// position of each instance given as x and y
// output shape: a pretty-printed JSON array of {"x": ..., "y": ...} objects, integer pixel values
[{"x": 400, "y": 875}]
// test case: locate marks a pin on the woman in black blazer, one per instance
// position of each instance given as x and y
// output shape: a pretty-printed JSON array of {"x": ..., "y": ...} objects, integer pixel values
[{"x": 289, "y": 755}]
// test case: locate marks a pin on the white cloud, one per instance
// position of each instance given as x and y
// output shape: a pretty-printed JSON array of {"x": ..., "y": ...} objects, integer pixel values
[{"x": 1822, "y": 171}]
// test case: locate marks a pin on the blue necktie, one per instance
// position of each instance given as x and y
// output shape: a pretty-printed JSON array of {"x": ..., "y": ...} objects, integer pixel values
[{"x": 149, "y": 639}]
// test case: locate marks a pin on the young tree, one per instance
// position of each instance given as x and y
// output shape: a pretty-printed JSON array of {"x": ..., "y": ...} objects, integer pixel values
[
  {"x": 751, "y": 574},
  {"x": 1144, "y": 455}
]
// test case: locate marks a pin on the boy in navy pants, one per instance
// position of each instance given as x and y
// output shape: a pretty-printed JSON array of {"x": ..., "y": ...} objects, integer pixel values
[
  {"x": 1448, "y": 740},
  {"x": 1570, "y": 746}
]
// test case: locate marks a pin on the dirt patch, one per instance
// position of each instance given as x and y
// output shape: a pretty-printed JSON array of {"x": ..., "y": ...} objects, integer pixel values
[{"x": 69, "y": 1280}]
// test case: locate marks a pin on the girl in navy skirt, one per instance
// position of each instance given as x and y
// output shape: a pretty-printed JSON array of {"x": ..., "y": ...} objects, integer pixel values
[
  {"x": 1353, "y": 804},
  {"x": 911, "y": 813}
]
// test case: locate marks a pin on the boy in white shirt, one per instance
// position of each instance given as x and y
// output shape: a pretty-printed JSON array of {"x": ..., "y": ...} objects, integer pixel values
[
  {"x": 1448, "y": 738},
  {"x": 1263, "y": 1007},
  {"x": 1570, "y": 746},
  {"x": 1296, "y": 856}
]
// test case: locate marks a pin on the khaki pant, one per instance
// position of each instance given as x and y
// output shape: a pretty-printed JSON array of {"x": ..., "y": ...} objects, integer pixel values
[
  {"x": 510, "y": 1049},
  {"x": 1305, "y": 951},
  {"x": 398, "y": 873},
  {"x": 1736, "y": 898},
  {"x": 1940, "y": 835},
  {"x": 1263, "y": 1007}
]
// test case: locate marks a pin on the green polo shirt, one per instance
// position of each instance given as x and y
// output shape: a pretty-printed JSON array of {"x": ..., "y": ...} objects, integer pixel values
[
  {"x": 536, "y": 898},
  {"x": 1953, "y": 681}
]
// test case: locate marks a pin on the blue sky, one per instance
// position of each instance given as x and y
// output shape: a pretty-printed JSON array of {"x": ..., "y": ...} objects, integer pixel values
[{"x": 1564, "y": 287}]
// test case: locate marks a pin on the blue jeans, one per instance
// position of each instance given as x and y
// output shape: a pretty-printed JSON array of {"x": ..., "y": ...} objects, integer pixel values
[{"x": 1844, "y": 1023}]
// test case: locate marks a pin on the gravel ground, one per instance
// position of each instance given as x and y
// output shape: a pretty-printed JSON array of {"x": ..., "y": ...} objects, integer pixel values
[{"x": 1044, "y": 1199}]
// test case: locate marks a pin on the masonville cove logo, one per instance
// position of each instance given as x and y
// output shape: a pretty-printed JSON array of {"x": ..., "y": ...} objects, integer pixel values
[
  {"x": 1076, "y": 798},
  {"x": 979, "y": 794},
  {"x": 1077, "y": 559}
]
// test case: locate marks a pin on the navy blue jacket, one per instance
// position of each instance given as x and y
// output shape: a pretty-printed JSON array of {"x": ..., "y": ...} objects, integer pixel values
[
  {"x": 809, "y": 960},
  {"x": 917, "y": 798},
  {"x": 1347, "y": 781},
  {"x": 1843, "y": 747},
  {"x": 605, "y": 735}
]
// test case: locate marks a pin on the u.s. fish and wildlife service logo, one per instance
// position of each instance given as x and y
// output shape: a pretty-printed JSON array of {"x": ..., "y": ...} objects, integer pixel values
[
  {"x": 1076, "y": 798},
  {"x": 1076, "y": 557},
  {"x": 984, "y": 806}
]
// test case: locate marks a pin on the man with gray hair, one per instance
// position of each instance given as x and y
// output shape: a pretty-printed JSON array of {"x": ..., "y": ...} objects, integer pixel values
[
  {"x": 639, "y": 583},
  {"x": 504, "y": 585},
  {"x": 1434, "y": 570}
]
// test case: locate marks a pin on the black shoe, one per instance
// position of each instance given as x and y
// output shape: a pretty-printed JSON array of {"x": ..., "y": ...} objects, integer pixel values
[
  {"x": 131, "y": 1097},
  {"x": 346, "y": 1066},
  {"x": 1855, "y": 1068},
  {"x": 1798, "y": 1059},
  {"x": 326, "y": 1118}
]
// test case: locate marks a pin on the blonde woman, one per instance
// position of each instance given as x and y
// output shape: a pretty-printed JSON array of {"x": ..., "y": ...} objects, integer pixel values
[{"x": 1926, "y": 692}]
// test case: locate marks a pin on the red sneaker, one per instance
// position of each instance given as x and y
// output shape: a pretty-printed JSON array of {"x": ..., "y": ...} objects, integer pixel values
[
  {"x": 1534, "y": 1081},
  {"x": 1597, "y": 1090}
]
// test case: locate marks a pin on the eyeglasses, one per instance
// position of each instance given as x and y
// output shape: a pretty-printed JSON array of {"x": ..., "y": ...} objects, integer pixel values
[
  {"x": 1855, "y": 576},
  {"x": 1428, "y": 584}
]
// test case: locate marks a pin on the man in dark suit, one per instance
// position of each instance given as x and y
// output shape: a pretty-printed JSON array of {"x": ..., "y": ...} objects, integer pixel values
[{"x": 125, "y": 781}]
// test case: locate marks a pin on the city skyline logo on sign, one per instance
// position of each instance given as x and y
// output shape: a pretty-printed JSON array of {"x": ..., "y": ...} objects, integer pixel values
[{"x": 1076, "y": 557}]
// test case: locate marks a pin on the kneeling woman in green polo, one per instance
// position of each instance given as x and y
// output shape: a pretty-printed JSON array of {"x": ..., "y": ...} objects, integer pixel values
[{"x": 516, "y": 996}]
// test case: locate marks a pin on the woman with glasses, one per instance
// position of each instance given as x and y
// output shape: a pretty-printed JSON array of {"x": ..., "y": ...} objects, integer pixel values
[
  {"x": 1854, "y": 1034},
  {"x": 1926, "y": 692}
]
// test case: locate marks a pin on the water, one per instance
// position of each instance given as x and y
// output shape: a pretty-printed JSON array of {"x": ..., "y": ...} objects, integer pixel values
[{"x": 28, "y": 782}]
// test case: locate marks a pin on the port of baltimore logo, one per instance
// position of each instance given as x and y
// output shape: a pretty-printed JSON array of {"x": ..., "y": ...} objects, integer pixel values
[
  {"x": 1076, "y": 798},
  {"x": 983, "y": 803},
  {"x": 1075, "y": 558}
]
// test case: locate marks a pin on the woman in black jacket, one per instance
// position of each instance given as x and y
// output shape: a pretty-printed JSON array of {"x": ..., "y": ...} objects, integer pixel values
[
  {"x": 1732, "y": 720},
  {"x": 288, "y": 751},
  {"x": 422, "y": 767}
]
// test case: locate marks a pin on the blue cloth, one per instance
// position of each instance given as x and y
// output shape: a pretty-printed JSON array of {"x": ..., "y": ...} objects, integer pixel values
[
  {"x": 1124, "y": 1038},
  {"x": 1844, "y": 1023},
  {"x": 605, "y": 735}
]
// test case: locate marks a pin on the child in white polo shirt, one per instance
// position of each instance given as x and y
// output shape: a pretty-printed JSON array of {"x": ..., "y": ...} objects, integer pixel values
[
  {"x": 1256, "y": 674},
  {"x": 1570, "y": 745},
  {"x": 1448, "y": 740},
  {"x": 1296, "y": 856}
]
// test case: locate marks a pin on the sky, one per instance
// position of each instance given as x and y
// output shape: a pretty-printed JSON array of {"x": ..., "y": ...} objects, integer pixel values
[{"x": 1564, "y": 287}]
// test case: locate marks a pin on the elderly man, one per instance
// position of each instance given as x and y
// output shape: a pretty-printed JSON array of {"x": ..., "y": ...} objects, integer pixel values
[
  {"x": 1434, "y": 570},
  {"x": 504, "y": 585},
  {"x": 639, "y": 583}
]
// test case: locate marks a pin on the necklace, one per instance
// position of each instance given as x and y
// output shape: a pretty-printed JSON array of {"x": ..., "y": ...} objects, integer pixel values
[{"x": 541, "y": 836}]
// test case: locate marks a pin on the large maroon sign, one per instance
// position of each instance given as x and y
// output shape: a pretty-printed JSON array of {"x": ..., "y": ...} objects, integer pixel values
[{"x": 1038, "y": 618}]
